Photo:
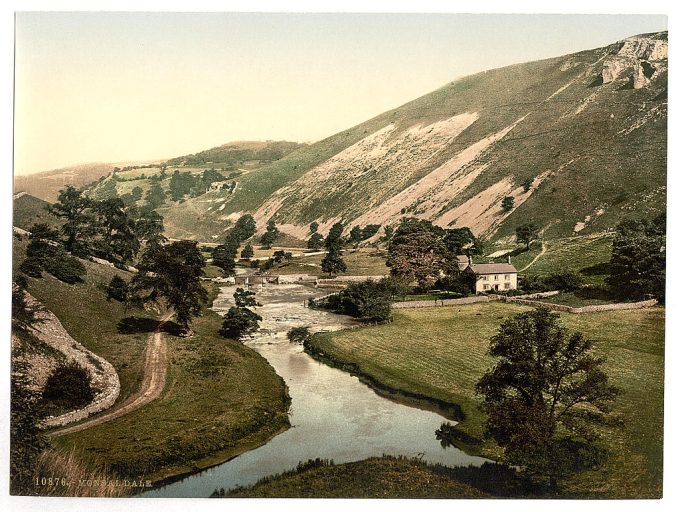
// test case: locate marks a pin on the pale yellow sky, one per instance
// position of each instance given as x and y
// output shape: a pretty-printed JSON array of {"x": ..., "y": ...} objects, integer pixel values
[{"x": 113, "y": 87}]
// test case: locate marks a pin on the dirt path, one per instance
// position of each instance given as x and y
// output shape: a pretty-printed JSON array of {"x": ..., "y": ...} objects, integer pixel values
[
  {"x": 155, "y": 369},
  {"x": 544, "y": 248}
]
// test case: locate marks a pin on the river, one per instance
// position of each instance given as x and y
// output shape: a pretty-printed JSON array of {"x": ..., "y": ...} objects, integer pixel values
[{"x": 333, "y": 415}]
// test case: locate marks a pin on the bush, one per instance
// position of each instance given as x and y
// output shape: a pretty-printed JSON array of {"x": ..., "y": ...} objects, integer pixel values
[
  {"x": 567, "y": 281},
  {"x": 298, "y": 334},
  {"x": 239, "y": 322},
  {"x": 368, "y": 300},
  {"x": 69, "y": 386},
  {"x": 118, "y": 289},
  {"x": 31, "y": 267},
  {"x": 65, "y": 268}
]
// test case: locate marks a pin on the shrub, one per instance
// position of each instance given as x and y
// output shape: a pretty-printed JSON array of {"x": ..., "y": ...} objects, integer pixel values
[
  {"x": 567, "y": 281},
  {"x": 368, "y": 300},
  {"x": 65, "y": 268},
  {"x": 239, "y": 322},
  {"x": 117, "y": 289},
  {"x": 298, "y": 334},
  {"x": 31, "y": 267},
  {"x": 69, "y": 386}
]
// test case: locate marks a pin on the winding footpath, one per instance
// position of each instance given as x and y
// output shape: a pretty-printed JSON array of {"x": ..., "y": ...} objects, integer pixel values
[
  {"x": 155, "y": 371},
  {"x": 544, "y": 248}
]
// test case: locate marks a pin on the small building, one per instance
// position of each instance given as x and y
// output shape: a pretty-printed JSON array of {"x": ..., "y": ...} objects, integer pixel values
[
  {"x": 492, "y": 277},
  {"x": 256, "y": 278}
]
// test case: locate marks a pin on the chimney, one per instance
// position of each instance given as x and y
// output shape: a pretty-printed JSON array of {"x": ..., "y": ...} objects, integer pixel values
[
  {"x": 469, "y": 260},
  {"x": 509, "y": 262}
]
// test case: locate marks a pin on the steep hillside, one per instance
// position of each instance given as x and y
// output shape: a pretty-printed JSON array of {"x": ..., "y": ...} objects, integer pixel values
[
  {"x": 235, "y": 153},
  {"x": 29, "y": 210},
  {"x": 578, "y": 141}
]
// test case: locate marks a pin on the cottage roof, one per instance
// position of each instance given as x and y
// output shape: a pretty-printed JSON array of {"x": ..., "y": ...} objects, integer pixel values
[{"x": 493, "y": 268}]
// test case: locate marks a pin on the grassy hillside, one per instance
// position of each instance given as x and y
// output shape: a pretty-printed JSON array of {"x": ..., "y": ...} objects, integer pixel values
[
  {"x": 577, "y": 153},
  {"x": 450, "y": 355},
  {"x": 29, "y": 210},
  {"x": 220, "y": 397},
  {"x": 238, "y": 153},
  {"x": 46, "y": 185}
]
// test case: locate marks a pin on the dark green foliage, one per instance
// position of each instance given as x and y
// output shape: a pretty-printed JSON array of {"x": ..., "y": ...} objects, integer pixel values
[
  {"x": 280, "y": 256},
  {"x": 313, "y": 227},
  {"x": 462, "y": 283},
  {"x": 23, "y": 315},
  {"x": 418, "y": 252},
  {"x": 173, "y": 272},
  {"x": 526, "y": 233},
  {"x": 247, "y": 252},
  {"x": 149, "y": 227},
  {"x": 155, "y": 197},
  {"x": 526, "y": 184},
  {"x": 31, "y": 267},
  {"x": 118, "y": 289},
  {"x": 239, "y": 322},
  {"x": 566, "y": 281},
  {"x": 245, "y": 298},
  {"x": 65, "y": 268},
  {"x": 224, "y": 256},
  {"x": 332, "y": 262},
  {"x": 298, "y": 334},
  {"x": 181, "y": 184},
  {"x": 315, "y": 241},
  {"x": 638, "y": 263},
  {"x": 232, "y": 154},
  {"x": 460, "y": 240},
  {"x": 508, "y": 203},
  {"x": 69, "y": 387},
  {"x": 543, "y": 396},
  {"x": 116, "y": 240},
  {"x": 25, "y": 439},
  {"x": 368, "y": 300},
  {"x": 74, "y": 208},
  {"x": 268, "y": 238},
  {"x": 137, "y": 193},
  {"x": 356, "y": 234},
  {"x": 244, "y": 228}
]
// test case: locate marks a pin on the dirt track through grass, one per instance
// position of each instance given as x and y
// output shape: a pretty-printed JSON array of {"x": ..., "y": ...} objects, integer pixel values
[{"x": 155, "y": 370}]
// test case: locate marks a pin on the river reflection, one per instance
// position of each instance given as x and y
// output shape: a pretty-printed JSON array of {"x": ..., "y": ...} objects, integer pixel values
[{"x": 333, "y": 415}]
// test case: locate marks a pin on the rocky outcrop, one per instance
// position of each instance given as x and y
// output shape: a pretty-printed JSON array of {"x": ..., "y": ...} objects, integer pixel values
[{"x": 634, "y": 61}]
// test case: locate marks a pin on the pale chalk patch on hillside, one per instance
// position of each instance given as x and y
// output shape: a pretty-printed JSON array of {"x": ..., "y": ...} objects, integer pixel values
[
  {"x": 580, "y": 226},
  {"x": 560, "y": 90},
  {"x": 657, "y": 111},
  {"x": 483, "y": 213},
  {"x": 381, "y": 155},
  {"x": 438, "y": 187},
  {"x": 301, "y": 231}
]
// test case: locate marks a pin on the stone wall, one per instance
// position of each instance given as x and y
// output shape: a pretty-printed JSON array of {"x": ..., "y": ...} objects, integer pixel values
[
  {"x": 104, "y": 377},
  {"x": 582, "y": 309},
  {"x": 441, "y": 303}
]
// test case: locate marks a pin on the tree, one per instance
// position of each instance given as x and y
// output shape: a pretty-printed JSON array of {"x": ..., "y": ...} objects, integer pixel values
[
  {"x": 239, "y": 320},
  {"x": 638, "y": 262},
  {"x": 544, "y": 395},
  {"x": 268, "y": 238},
  {"x": 224, "y": 255},
  {"x": 315, "y": 241},
  {"x": 356, "y": 235},
  {"x": 73, "y": 207},
  {"x": 508, "y": 203},
  {"x": 155, "y": 197},
  {"x": 313, "y": 227},
  {"x": 368, "y": 300},
  {"x": 173, "y": 272},
  {"x": 247, "y": 252},
  {"x": 117, "y": 238},
  {"x": 245, "y": 298},
  {"x": 526, "y": 233},
  {"x": 244, "y": 228},
  {"x": 118, "y": 289},
  {"x": 69, "y": 386},
  {"x": 149, "y": 227},
  {"x": 418, "y": 252},
  {"x": 526, "y": 184},
  {"x": 137, "y": 193},
  {"x": 332, "y": 262},
  {"x": 298, "y": 335}
]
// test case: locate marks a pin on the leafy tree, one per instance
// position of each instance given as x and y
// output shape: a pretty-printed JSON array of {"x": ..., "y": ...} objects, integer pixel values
[
  {"x": 508, "y": 203},
  {"x": 356, "y": 234},
  {"x": 526, "y": 233},
  {"x": 117, "y": 238},
  {"x": 315, "y": 241},
  {"x": 638, "y": 262},
  {"x": 181, "y": 184},
  {"x": 417, "y": 252},
  {"x": 245, "y": 298},
  {"x": 118, "y": 289},
  {"x": 247, "y": 252},
  {"x": 155, "y": 196},
  {"x": 73, "y": 207},
  {"x": 64, "y": 267},
  {"x": 389, "y": 233},
  {"x": 460, "y": 240},
  {"x": 239, "y": 322},
  {"x": 137, "y": 193},
  {"x": 173, "y": 272},
  {"x": 368, "y": 300},
  {"x": 244, "y": 228},
  {"x": 149, "y": 227},
  {"x": 108, "y": 189},
  {"x": 526, "y": 184},
  {"x": 370, "y": 230},
  {"x": 270, "y": 235},
  {"x": 567, "y": 281},
  {"x": 224, "y": 255},
  {"x": 298, "y": 334},
  {"x": 332, "y": 262},
  {"x": 544, "y": 395},
  {"x": 313, "y": 227}
]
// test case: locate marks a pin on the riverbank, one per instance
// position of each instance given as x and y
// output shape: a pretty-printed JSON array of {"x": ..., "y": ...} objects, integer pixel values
[
  {"x": 440, "y": 353},
  {"x": 385, "y": 477}
]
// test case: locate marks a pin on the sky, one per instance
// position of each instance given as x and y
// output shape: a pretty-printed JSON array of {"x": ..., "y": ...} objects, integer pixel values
[{"x": 117, "y": 87}]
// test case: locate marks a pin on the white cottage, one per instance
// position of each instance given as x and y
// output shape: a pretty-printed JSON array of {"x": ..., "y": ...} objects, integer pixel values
[{"x": 492, "y": 277}]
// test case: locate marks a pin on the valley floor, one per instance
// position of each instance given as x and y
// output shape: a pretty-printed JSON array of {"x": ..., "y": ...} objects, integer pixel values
[{"x": 440, "y": 353}]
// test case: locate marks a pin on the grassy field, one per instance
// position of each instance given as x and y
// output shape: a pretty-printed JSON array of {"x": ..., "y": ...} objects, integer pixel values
[
  {"x": 220, "y": 399},
  {"x": 442, "y": 352},
  {"x": 385, "y": 477}
]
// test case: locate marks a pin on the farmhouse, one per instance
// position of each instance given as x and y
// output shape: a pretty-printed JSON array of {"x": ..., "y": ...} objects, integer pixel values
[{"x": 493, "y": 276}]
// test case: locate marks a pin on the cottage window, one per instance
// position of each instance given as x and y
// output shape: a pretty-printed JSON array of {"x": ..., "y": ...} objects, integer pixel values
[
  {"x": 507, "y": 286},
  {"x": 495, "y": 277},
  {"x": 507, "y": 277},
  {"x": 485, "y": 278},
  {"x": 486, "y": 286}
]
